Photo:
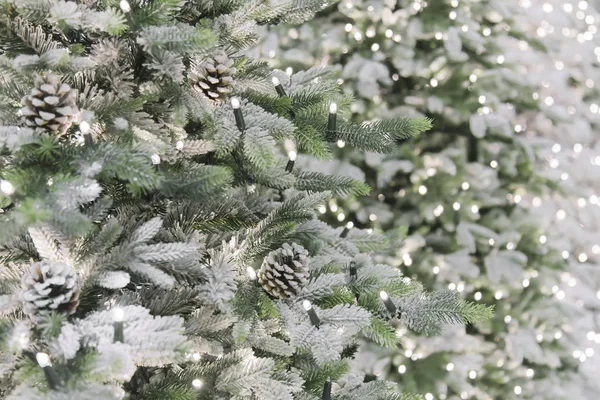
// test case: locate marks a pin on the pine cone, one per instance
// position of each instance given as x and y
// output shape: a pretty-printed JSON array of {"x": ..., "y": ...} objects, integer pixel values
[
  {"x": 284, "y": 271},
  {"x": 213, "y": 77},
  {"x": 50, "y": 286},
  {"x": 50, "y": 107}
]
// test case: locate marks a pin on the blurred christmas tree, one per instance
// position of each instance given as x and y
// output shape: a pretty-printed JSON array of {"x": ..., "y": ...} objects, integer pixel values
[
  {"x": 493, "y": 202},
  {"x": 157, "y": 239}
]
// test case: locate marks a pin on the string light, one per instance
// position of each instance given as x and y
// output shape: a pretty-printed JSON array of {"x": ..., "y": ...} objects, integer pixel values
[
  {"x": 6, "y": 187},
  {"x": 422, "y": 190},
  {"x": 197, "y": 383},
  {"x": 401, "y": 369},
  {"x": 125, "y": 6}
]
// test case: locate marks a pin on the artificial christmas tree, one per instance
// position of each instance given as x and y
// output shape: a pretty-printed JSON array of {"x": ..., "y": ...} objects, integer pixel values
[
  {"x": 487, "y": 206},
  {"x": 164, "y": 204}
]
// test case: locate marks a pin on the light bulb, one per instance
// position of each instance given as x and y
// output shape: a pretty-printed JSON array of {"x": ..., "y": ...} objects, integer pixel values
[
  {"x": 43, "y": 360},
  {"x": 84, "y": 127},
  {"x": 333, "y": 108},
  {"x": 6, "y": 187},
  {"x": 251, "y": 273},
  {"x": 276, "y": 81},
  {"x": 118, "y": 314},
  {"x": 306, "y": 304},
  {"x": 155, "y": 159},
  {"x": 124, "y": 5},
  {"x": 292, "y": 155},
  {"x": 235, "y": 102},
  {"x": 383, "y": 295},
  {"x": 197, "y": 383}
]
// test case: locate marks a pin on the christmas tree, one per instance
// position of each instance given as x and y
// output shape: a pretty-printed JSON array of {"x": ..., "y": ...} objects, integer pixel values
[
  {"x": 158, "y": 237},
  {"x": 499, "y": 201}
]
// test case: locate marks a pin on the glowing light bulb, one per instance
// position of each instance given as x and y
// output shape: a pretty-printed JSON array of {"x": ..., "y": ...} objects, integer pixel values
[
  {"x": 84, "y": 127},
  {"x": 383, "y": 295},
  {"x": 498, "y": 295},
  {"x": 529, "y": 373},
  {"x": 422, "y": 190},
  {"x": 235, "y": 102},
  {"x": 306, "y": 304},
  {"x": 118, "y": 314},
  {"x": 251, "y": 273},
  {"x": 402, "y": 369},
  {"x": 125, "y": 6},
  {"x": 472, "y": 374},
  {"x": 276, "y": 81},
  {"x": 525, "y": 282},
  {"x": 449, "y": 367},
  {"x": 6, "y": 187},
  {"x": 465, "y": 186},
  {"x": 456, "y": 206},
  {"x": 517, "y": 390},
  {"x": 197, "y": 383},
  {"x": 43, "y": 360},
  {"x": 477, "y": 296}
]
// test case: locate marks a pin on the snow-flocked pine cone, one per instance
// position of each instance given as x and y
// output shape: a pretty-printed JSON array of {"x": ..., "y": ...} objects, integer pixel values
[
  {"x": 50, "y": 107},
  {"x": 284, "y": 272},
  {"x": 213, "y": 76},
  {"x": 50, "y": 286}
]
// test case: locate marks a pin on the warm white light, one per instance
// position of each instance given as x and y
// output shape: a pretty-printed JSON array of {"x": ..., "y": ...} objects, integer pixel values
[
  {"x": 43, "y": 360},
  {"x": 498, "y": 295},
  {"x": 428, "y": 396},
  {"x": 561, "y": 214},
  {"x": 383, "y": 295},
  {"x": 276, "y": 81},
  {"x": 477, "y": 296},
  {"x": 348, "y": 27},
  {"x": 118, "y": 314},
  {"x": 438, "y": 210},
  {"x": 449, "y": 367},
  {"x": 402, "y": 369},
  {"x": 350, "y": 225},
  {"x": 341, "y": 144},
  {"x": 494, "y": 164},
  {"x": 456, "y": 206},
  {"x": 6, "y": 187},
  {"x": 474, "y": 209},
  {"x": 543, "y": 239},
  {"x": 179, "y": 145},
  {"x": 235, "y": 102},
  {"x": 289, "y": 71},
  {"x": 84, "y": 127},
  {"x": 473, "y": 78},
  {"x": 306, "y": 304},
  {"x": 422, "y": 190},
  {"x": 500, "y": 59},
  {"x": 375, "y": 47},
  {"x": 530, "y": 373},
  {"x": 452, "y": 15},
  {"x": 155, "y": 159},
  {"x": 487, "y": 31},
  {"x": 333, "y": 108},
  {"x": 525, "y": 282},
  {"x": 197, "y": 383},
  {"x": 389, "y": 33},
  {"x": 433, "y": 82},
  {"x": 341, "y": 216},
  {"x": 472, "y": 374},
  {"x": 518, "y": 390},
  {"x": 251, "y": 273},
  {"x": 465, "y": 186},
  {"x": 507, "y": 319},
  {"x": 482, "y": 99},
  {"x": 582, "y": 257},
  {"x": 124, "y": 5},
  {"x": 436, "y": 270},
  {"x": 292, "y": 155}
]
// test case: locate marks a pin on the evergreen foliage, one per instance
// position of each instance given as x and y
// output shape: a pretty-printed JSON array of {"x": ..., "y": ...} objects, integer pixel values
[{"x": 164, "y": 201}]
